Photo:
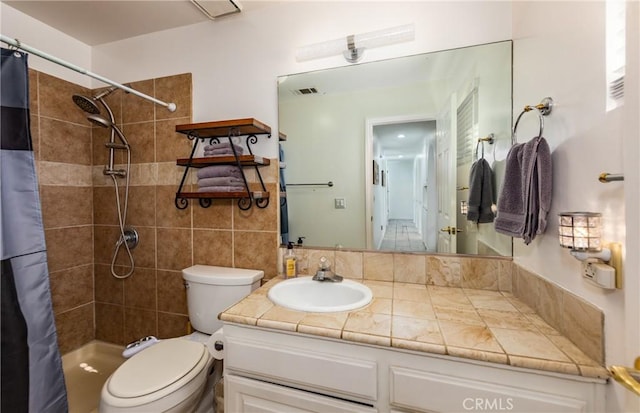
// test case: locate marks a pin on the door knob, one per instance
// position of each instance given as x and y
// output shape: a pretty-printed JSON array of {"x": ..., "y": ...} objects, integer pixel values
[{"x": 451, "y": 230}]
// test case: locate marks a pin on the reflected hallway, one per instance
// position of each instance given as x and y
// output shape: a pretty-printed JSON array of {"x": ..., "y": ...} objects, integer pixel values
[{"x": 402, "y": 235}]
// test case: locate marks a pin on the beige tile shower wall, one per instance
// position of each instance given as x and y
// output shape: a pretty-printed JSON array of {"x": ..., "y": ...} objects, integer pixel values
[
  {"x": 153, "y": 299},
  {"x": 62, "y": 148}
]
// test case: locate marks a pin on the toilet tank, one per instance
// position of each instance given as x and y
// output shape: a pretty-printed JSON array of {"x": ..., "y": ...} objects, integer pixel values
[{"x": 211, "y": 290}]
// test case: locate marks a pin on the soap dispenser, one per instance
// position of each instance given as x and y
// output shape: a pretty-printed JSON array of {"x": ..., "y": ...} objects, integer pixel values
[{"x": 290, "y": 265}]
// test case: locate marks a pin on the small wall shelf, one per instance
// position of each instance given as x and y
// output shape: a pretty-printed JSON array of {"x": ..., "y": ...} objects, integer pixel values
[{"x": 214, "y": 131}]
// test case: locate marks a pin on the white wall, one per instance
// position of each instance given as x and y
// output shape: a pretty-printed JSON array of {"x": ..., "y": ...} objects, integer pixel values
[
  {"x": 559, "y": 55},
  {"x": 400, "y": 186},
  {"x": 235, "y": 61},
  {"x": 32, "y": 32}
]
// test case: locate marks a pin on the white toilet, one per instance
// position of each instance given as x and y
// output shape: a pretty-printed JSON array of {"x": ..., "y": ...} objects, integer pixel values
[{"x": 173, "y": 375}]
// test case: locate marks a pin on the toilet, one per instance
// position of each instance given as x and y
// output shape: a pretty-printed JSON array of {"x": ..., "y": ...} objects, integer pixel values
[{"x": 176, "y": 375}]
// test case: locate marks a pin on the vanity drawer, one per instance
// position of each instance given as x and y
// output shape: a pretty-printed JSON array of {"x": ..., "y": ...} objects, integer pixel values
[
  {"x": 330, "y": 373},
  {"x": 429, "y": 392}
]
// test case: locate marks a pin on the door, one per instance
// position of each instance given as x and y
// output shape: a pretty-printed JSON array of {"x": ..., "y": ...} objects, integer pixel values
[{"x": 446, "y": 179}]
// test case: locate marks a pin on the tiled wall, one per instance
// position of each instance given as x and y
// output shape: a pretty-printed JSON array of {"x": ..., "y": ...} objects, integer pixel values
[
  {"x": 78, "y": 204},
  {"x": 441, "y": 270},
  {"x": 62, "y": 149},
  {"x": 153, "y": 299}
]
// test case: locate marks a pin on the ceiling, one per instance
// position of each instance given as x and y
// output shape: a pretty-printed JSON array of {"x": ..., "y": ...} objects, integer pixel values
[{"x": 96, "y": 22}]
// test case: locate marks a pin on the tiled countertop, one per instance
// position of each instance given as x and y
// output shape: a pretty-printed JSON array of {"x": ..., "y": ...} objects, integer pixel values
[{"x": 482, "y": 325}]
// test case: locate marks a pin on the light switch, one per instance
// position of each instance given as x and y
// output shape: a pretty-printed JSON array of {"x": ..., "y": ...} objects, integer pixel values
[{"x": 340, "y": 203}]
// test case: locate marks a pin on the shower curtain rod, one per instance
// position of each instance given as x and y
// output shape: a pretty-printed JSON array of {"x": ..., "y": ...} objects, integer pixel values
[{"x": 19, "y": 45}]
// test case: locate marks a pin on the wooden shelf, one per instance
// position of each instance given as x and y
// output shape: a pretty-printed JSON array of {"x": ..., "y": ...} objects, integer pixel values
[
  {"x": 197, "y": 132},
  {"x": 223, "y": 195},
  {"x": 245, "y": 160},
  {"x": 225, "y": 128}
]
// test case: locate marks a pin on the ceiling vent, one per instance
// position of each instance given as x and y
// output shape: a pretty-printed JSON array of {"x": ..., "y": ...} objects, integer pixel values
[
  {"x": 217, "y": 8},
  {"x": 306, "y": 91}
]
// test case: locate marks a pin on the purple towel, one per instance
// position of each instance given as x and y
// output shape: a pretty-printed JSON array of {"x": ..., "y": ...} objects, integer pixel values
[
  {"x": 222, "y": 189},
  {"x": 220, "y": 152},
  {"x": 221, "y": 181},
  {"x": 525, "y": 198},
  {"x": 215, "y": 171},
  {"x": 223, "y": 145}
]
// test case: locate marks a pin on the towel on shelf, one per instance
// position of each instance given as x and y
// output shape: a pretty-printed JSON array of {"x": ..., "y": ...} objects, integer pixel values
[
  {"x": 221, "y": 181},
  {"x": 480, "y": 192},
  {"x": 525, "y": 198},
  {"x": 215, "y": 171},
  {"x": 222, "y": 189},
  {"x": 221, "y": 152},
  {"x": 223, "y": 146}
]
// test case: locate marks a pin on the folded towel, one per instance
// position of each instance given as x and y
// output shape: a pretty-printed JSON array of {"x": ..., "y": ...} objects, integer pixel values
[
  {"x": 480, "y": 192},
  {"x": 223, "y": 145},
  {"x": 525, "y": 198},
  {"x": 214, "y": 171},
  {"x": 221, "y": 181},
  {"x": 222, "y": 189},
  {"x": 220, "y": 152}
]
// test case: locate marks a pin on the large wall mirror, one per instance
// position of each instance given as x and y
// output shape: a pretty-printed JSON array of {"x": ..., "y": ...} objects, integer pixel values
[{"x": 378, "y": 155}]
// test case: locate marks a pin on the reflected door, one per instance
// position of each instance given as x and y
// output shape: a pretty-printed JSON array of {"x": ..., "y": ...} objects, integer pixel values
[{"x": 446, "y": 177}]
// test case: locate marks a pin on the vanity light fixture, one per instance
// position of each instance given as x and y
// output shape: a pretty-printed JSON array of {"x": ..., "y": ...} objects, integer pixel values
[
  {"x": 581, "y": 232},
  {"x": 353, "y": 46}
]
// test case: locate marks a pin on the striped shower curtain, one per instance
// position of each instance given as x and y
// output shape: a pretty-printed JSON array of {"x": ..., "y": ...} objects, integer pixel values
[{"x": 31, "y": 370}]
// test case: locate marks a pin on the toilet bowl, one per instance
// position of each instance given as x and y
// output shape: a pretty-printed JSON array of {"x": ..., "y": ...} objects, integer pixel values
[{"x": 177, "y": 375}]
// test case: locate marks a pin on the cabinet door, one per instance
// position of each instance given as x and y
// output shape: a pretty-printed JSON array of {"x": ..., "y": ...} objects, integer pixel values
[
  {"x": 430, "y": 392},
  {"x": 244, "y": 395}
]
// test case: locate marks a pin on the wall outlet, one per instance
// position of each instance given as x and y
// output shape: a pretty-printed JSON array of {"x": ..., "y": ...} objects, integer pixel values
[
  {"x": 339, "y": 203},
  {"x": 602, "y": 275}
]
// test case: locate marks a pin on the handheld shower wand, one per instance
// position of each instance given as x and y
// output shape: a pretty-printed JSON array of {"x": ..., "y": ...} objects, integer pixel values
[{"x": 128, "y": 235}]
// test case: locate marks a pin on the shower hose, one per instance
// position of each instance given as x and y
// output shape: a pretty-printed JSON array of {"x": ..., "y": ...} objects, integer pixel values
[{"x": 122, "y": 219}]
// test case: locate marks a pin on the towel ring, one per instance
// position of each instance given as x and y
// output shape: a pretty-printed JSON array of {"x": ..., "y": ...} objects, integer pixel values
[
  {"x": 489, "y": 138},
  {"x": 544, "y": 108}
]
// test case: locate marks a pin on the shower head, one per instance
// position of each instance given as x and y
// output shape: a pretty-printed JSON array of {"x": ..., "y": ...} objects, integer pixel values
[
  {"x": 86, "y": 104},
  {"x": 99, "y": 120},
  {"x": 102, "y": 122},
  {"x": 89, "y": 104}
]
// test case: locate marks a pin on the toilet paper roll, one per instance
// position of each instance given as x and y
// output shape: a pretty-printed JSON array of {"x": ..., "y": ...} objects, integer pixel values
[{"x": 216, "y": 344}]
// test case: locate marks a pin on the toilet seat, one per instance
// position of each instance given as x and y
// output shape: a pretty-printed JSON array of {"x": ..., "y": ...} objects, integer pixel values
[{"x": 171, "y": 369}]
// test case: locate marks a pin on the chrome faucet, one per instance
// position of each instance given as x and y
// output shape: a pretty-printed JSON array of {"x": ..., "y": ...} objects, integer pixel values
[{"x": 324, "y": 272}]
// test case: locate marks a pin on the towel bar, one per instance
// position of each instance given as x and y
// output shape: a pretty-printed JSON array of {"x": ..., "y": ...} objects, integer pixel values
[
  {"x": 606, "y": 177},
  {"x": 330, "y": 183}
]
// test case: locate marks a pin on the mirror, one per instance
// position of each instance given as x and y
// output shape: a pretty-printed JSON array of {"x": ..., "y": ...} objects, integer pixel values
[{"x": 378, "y": 155}]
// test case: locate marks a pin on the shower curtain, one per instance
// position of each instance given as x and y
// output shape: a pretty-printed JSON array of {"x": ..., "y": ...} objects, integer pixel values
[{"x": 31, "y": 367}]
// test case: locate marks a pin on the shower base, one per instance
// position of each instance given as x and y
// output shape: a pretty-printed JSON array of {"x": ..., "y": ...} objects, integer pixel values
[{"x": 85, "y": 371}]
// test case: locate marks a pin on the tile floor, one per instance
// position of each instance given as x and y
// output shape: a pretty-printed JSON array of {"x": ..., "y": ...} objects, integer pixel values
[{"x": 402, "y": 235}]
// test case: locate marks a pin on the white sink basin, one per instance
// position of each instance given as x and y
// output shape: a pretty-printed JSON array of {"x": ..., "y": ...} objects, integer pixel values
[{"x": 304, "y": 294}]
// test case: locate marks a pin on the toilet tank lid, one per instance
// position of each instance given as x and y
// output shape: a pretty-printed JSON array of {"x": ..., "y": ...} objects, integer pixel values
[{"x": 208, "y": 274}]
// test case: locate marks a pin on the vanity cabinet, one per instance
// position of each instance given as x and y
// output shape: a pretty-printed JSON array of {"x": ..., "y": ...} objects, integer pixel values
[
  {"x": 264, "y": 366},
  {"x": 214, "y": 132}
]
